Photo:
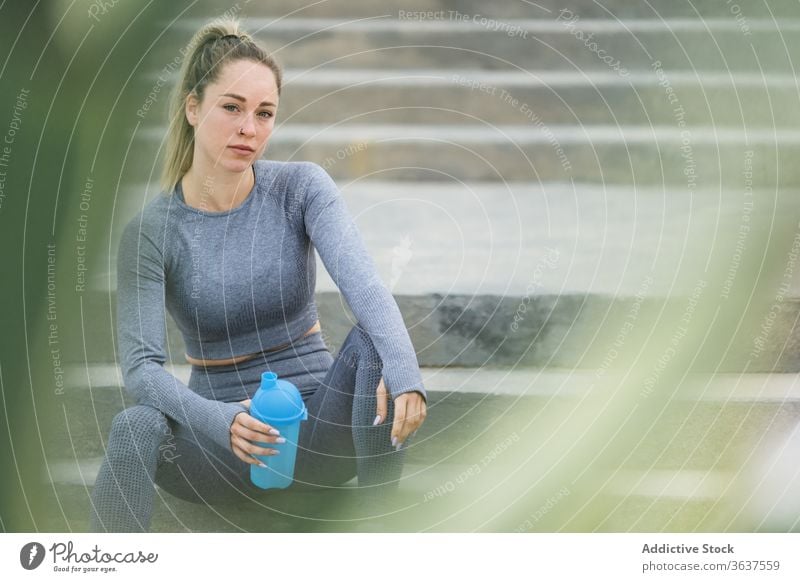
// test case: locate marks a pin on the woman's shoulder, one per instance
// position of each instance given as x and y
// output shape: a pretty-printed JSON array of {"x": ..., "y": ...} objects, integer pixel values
[
  {"x": 291, "y": 172},
  {"x": 294, "y": 184},
  {"x": 151, "y": 219}
]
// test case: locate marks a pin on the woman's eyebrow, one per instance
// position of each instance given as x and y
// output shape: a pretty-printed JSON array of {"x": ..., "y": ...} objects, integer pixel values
[{"x": 243, "y": 100}]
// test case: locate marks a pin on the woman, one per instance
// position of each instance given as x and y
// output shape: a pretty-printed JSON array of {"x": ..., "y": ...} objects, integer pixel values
[{"x": 228, "y": 251}]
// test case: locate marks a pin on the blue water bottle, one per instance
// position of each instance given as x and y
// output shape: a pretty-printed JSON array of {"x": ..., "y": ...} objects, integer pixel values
[{"x": 277, "y": 403}]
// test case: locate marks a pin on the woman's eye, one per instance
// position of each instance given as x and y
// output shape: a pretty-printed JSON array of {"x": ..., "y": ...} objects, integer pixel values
[{"x": 232, "y": 107}]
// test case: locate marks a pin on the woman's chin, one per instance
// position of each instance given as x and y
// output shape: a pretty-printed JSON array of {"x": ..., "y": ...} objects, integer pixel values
[{"x": 238, "y": 164}]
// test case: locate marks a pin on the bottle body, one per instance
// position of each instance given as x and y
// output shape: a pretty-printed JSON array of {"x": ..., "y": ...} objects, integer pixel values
[{"x": 278, "y": 403}]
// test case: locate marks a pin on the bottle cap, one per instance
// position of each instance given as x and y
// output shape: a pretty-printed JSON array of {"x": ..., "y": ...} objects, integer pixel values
[{"x": 277, "y": 401}]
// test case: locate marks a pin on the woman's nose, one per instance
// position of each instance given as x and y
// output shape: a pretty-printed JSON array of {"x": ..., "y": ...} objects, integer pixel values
[{"x": 248, "y": 127}]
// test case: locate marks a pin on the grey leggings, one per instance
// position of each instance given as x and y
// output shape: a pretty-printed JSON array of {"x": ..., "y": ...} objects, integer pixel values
[{"x": 336, "y": 443}]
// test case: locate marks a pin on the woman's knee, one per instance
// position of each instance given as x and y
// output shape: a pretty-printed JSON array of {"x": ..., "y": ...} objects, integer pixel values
[
  {"x": 360, "y": 342},
  {"x": 139, "y": 425}
]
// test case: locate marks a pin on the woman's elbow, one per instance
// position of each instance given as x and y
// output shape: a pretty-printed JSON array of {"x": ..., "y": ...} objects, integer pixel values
[{"x": 138, "y": 379}]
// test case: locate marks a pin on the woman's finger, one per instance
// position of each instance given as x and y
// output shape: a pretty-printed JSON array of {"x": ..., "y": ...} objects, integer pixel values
[
  {"x": 419, "y": 417},
  {"x": 254, "y": 436},
  {"x": 242, "y": 456},
  {"x": 420, "y": 412},
  {"x": 252, "y": 449},
  {"x": 249, "y": 459},
  {"x": 382, "y": 403},
  {"x": 243, "y": 429},
  {"x": 413, "y": 415},
  {"x": 248, "y": 422},
  {"x": 399, "y": 430}
]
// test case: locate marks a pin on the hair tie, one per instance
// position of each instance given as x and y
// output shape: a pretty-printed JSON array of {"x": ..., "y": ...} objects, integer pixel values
[{"x": 236, "y": 36}]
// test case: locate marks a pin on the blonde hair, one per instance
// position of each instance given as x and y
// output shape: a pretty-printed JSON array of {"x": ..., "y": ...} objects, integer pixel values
[{"x": 212, "y": 47}]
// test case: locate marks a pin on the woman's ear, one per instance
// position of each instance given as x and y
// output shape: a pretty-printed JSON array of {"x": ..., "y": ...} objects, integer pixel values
[{"x": 190, "y": 108}]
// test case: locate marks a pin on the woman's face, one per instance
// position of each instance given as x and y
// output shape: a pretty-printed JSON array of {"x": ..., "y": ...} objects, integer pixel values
[{"x": 238, "y": 109}]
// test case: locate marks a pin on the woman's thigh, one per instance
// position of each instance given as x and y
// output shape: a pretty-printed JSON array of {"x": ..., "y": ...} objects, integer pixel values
[
  {"x": 194, "y": 468},
  {"x": 326, "y": 455}
]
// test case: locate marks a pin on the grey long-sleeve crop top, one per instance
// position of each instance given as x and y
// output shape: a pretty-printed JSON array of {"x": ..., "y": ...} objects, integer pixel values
[{"x": 242, "y": 281}]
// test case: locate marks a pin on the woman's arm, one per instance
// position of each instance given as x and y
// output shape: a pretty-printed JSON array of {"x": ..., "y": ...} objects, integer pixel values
[
  {"x": 141, "y": 333},
  {"x": 335, "y": 235}
]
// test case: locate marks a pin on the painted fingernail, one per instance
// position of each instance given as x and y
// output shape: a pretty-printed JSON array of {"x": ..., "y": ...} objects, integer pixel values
[
  {"x": 276, "y": 452},
  {"x": 394, "y": 441},
  {"x": 280, "y": 440},
  {"x": 262, "y": 465},
  {"x": 377, "y": 420},
  {"x": 274, "y": 432}
]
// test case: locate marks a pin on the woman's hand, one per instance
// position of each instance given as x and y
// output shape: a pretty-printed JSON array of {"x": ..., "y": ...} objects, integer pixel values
[
  {"x": 244, "y": 429},
  {"x": 409, "y": 413}
]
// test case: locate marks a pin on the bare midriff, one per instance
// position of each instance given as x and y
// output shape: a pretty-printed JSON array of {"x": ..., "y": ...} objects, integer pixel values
[{"x": 316, "y": 327}]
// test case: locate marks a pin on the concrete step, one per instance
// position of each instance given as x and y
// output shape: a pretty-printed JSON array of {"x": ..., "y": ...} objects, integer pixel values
[
  {"x": 594, "y": 154},
  {"x": 392, "y": 41},
  {"x": 749, "y": 388},
  {"x": 474, "y": 97},
  {"x": 606, "y": 10},
  {"x": 576, "y": 239},
  {"x": 562, "y": 331},
  {"x": 429, "y": 483},
  {"x": 66, "y": 508},
  {"x": 426, "y": 495},
  {"x": 605, "y": 244},
  {"x": 712, "y": 426},
  {"x": 529, "y": 44},
  {"x": 573, "y": 259},
  {"x": 675, "y": 468}
]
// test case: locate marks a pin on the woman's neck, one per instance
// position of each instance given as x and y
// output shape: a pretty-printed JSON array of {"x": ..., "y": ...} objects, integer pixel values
[{"x": 216, "y": 190}]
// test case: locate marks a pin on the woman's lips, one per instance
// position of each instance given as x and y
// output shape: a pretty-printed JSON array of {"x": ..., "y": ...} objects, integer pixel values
[{"x": 241, "y": 150}]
